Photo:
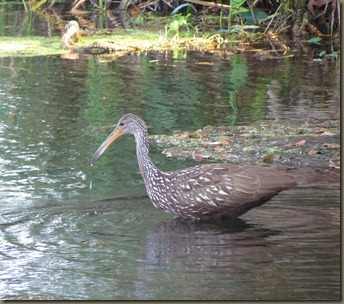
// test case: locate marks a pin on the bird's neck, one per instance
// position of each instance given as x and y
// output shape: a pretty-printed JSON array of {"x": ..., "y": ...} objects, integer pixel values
[{"x": 146, "y": 165}]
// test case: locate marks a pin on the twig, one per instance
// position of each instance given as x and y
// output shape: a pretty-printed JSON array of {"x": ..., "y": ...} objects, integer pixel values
[
  {"x": 211, "y": 4},
  {"x": 272, "y": 18}
]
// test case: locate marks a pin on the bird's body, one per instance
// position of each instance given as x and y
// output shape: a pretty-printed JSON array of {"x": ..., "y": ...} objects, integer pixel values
[{"x": 203, "y": 191}]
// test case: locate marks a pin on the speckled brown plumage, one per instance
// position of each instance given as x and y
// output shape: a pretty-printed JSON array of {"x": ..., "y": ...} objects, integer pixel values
[{"x": 203, "y": 191}]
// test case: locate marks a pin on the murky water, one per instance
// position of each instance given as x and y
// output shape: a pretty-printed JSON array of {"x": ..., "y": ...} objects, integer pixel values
[{"x": 69, "y": 231}]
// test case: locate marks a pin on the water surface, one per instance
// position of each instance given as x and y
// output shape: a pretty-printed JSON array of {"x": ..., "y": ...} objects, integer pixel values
[{"x": 69, "y": 231}]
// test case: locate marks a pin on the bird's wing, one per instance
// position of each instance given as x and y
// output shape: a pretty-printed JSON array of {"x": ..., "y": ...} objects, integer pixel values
[{"x": 231, "y": 188}]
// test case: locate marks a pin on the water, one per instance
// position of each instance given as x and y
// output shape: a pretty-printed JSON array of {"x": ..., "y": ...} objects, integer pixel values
[{"x": 69, "y": 230}]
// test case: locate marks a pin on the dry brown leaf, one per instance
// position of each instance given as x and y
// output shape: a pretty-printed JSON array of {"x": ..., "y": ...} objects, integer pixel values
[
  {"x": 218, "y": 149},
  {"x": 224, "y": 141},
  {"x": 200, "y": 134},
  {"x": 184, "y": 135},
  {"x": 312, "y": 152},
  {"x": 318, "y": 130},
  {"x": 199, "y": 157},
  {"x": 330, "y": 145},
  {"x": 297, "y": 144}
]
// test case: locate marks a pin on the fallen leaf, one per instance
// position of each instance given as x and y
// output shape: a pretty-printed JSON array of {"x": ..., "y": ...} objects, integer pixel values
[
  {"x": 245, "y": 135},
  {"x": 299, "y": 143},
  {"x": 329, "y": 145},
  {"x": 312, "y": 152},
  {"x": 218, "y": 149},
  {"x": 224, "y": 141},
  {"x": 184, "y": 135},
  {"x": 199, "y": 157},
  {"x": 200, "y": 134},
  {"x": 327, "y": 133}
]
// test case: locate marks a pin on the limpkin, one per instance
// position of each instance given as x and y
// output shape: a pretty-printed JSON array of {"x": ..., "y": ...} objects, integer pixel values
[{"x": 204, "y": 191}]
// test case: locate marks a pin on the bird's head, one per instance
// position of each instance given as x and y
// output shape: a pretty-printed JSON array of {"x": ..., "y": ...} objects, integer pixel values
[{"x": 128, "y": 124}]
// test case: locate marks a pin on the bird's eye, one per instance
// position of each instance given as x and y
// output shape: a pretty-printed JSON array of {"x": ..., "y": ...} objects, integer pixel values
[{"x": 121, "y": 124}]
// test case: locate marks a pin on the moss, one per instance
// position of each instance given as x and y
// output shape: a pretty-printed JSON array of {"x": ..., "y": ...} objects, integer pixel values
[
  {"x": 138, "y": 39},
  {"x": 28, "y": 46}
]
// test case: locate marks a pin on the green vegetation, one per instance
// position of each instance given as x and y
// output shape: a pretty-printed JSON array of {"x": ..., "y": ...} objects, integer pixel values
[
  {"x": 119, "y": 43},
  {"x": 228, "y": 25},
  {"x": 28, "y": 46},
  {"x": 305, "y": 18}
]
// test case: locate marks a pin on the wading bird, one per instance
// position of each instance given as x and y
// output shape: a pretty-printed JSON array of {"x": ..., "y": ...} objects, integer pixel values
[{"x": 204, "y": 191}]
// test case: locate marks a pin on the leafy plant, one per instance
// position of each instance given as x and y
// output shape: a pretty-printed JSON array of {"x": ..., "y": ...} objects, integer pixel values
[
  {"x": 250, "y": 14},
  {"x": 236, "y": 7},
  {"x": 323, "y": 55},
  {"x": 315, "y": 40},
  {"x": 177, "y": 21}
]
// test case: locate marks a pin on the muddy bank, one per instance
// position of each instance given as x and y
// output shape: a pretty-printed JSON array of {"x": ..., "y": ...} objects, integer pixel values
[{"x": 313, "y": 143}]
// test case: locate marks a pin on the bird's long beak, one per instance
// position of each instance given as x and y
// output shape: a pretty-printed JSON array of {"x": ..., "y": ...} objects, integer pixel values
[{"x": 107, "y": 142}]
